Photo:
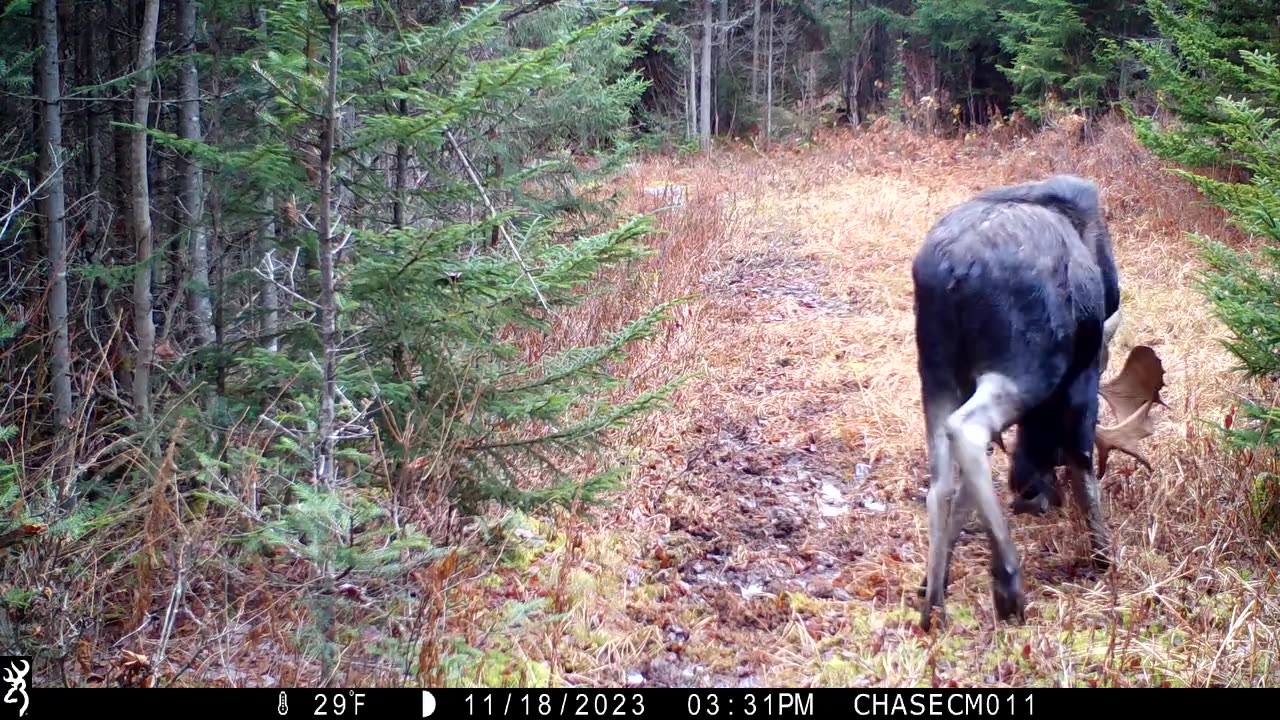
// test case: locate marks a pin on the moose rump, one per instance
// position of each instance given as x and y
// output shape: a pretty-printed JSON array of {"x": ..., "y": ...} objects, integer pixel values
[{"x": 1013, "y": 293}]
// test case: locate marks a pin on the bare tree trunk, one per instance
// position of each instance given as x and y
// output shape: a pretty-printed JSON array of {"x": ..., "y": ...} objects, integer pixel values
[
  {"x": 402, "y": 175},
  {"x": 851, "y": 78},
  {"x": 811, "y": 83},
  {"x": 269, "y": 324},
  {"x": 213, "y": 205},
  {"x": 161, "y": 220},
  {"x": 402, "y": 149},
  {"x": 193, "y": 178},
  {"x": 692, "y": 100},
  {"x": 768, "y": 124},
  {"x": 121, "y": 139},
  {"x": 270, "y": 295},
  {"x": 705, "y": 123},
  {"x": 407, "y": 13},
  {"x": 722, "y": 37},
  {"x": 973, "y": 116},
  {"x": 722, "y": 59},
  {"x": 325, "y": 471},
  {"x": 93, "y": 132},
  {"x": 857, "y": 66},
  {"x": 99, "y": 240},
  {"x": 143, "y": 323},
  {"x": 755, "y": 51},
  {"x": 53, "y": 207},
  {"x": 117, "y": 230}
]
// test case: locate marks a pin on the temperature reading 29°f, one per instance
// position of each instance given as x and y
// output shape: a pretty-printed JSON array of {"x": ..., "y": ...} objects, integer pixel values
[{"x": 339, "y": 703}]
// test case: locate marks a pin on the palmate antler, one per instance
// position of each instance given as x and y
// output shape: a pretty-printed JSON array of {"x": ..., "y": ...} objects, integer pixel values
[{"x": 1131, "y": 395}]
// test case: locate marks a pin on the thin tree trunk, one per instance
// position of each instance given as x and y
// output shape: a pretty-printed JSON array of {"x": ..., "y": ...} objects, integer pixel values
[
  {"x": 161, "y": 220},
  {"x": 722, "y": 59},
  {"x": 811, "y": 83},
  {"x": 722, "y": 38},
  {"x": 270, "y": 299},
  {"x": 693, "y": 92},
  {"x": 973, "y": 118},
  {"x": 851, "y": 68},
  {"x": 193, "y": 178},
  {"x": 326, "y": 472},
  {"x": 755, "y": 51},
  {"x": 269, "y": 326},
  {"x": 768, "y": 124},
  {"x": 402, "y": 151},
  {"x": 705, "y": 123},
  {"x": 54, "y": 210},
  {"x": 402, "y": 175},
  {"x": 143, "y": 323},
  {"x": 98, "y": 238},
  {"x": 121, "y": 138},
  {"x": 212, "y": 115},
  {"x": 93, "y": 131}
]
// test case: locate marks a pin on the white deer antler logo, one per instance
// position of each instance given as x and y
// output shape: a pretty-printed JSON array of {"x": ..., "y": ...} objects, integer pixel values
[{"x": 17, "y": 680}]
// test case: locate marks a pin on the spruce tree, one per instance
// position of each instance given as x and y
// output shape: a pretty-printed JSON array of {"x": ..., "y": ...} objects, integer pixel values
[
  {"x": 1196, "y": 59},
  {"x": 1220, "y": 74},
  {"x": 1053, "y": 53}
]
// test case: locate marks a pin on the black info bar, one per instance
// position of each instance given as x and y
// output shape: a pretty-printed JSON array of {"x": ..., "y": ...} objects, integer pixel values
[{"x": 664, "y": 703}]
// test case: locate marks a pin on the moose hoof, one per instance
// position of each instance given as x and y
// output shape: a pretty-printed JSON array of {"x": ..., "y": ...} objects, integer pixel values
[
  {"x": 1034, "y": 505},
  {"x": 1006, "y": 592},
  {"x": 927, "y": 612},
  {"x": 1010, "y": 606},
  {"x": 932, "y": 603}
]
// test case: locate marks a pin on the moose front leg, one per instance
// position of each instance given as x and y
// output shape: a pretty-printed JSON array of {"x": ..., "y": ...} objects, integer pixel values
[{"x": 1084, "y": 486}]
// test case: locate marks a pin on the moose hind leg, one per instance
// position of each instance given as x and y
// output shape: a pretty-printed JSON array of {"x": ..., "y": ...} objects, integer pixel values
[
  {"x": 994, "y": 406},
  {"x": 958, "y": 516},
  {"x": 942, "y": 490}
]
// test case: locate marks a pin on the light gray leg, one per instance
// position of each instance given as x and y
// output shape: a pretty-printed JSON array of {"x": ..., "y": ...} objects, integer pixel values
[
  {"x": 1084, "y": 486},
  {"x": 957, "y": 518},
  {"x": 942, "y": 488},
  {"x": 961, "y": 511},
  {"x": 993, "y": 406}
]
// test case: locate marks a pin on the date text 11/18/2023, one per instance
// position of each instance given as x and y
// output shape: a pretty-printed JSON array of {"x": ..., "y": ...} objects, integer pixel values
[
  {"x": 742, "y": 702},
  {"x": 648, "y": 703}
]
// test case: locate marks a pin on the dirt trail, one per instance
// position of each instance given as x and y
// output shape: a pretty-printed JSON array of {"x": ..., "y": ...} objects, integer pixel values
[
  {"x": 784, "y": 532},
  {"x": 787, "y": 527}
]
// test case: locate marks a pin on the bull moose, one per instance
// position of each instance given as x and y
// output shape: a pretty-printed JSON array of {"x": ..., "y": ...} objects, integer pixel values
[{"x": 1017, "y": 299}]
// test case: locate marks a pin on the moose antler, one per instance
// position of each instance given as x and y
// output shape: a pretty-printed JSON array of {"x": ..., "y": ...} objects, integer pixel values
[{"x": 1131, "y": 395}]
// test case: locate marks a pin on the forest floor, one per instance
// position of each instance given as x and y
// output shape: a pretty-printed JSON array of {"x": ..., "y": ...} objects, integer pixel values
[{"x": 776, "y": 533}]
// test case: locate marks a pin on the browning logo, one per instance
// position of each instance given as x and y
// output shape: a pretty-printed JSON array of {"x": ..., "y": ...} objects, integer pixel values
[{"x": 16, "y": 668}]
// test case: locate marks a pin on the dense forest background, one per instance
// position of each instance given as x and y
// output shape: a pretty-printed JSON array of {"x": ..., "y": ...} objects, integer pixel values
[{"x": 294, "y": 292}]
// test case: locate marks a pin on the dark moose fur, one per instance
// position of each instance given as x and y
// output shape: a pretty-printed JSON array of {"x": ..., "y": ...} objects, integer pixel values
[{"x": 1019, "y": 281}]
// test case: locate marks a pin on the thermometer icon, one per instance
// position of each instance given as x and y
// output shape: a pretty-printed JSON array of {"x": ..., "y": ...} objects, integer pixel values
[{"x": 284, "y": 704}]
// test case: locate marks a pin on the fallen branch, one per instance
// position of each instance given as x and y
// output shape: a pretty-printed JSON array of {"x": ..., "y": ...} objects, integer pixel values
[{"x": 493, "y": 213}]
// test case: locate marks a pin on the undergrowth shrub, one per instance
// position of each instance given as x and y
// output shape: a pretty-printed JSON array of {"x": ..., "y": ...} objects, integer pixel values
[
  {"x": 464, "y": 229},
  {"x": 1219, "y": 74}
]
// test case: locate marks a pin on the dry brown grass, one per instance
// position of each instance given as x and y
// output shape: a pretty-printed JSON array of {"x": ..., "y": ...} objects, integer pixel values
[
  {"x": 719, "y": 565},
  {"x": 728, "y": 572}
]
